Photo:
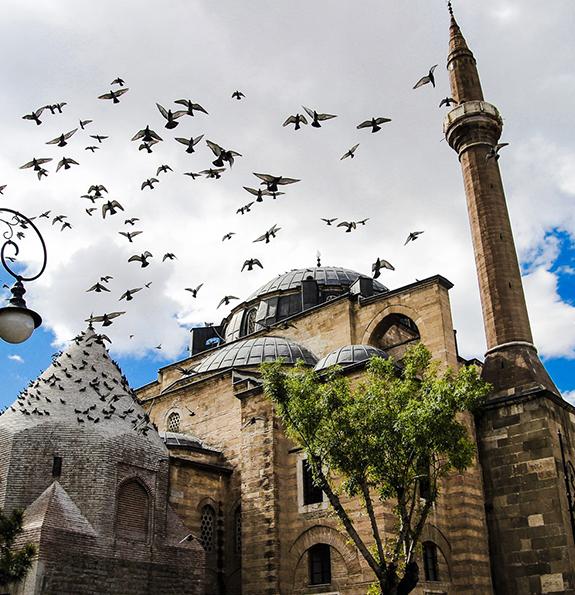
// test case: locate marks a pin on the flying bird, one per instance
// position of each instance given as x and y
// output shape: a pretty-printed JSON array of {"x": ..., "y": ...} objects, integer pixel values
[
  {"x": 66, "y": 163},
  {"x": 226, "y": 300},
  {"x": 413, "y": 235},
  {"x": 118, "y": 81},
  {"x": 298, "y": 119},
  {"x": 194, "y": 291},
  {"x": 250, "y": 263},
  {"x": 129, "y": 234},
  {"x": 128, "y": 294},
  {"x": 105, "y": 319},
  {"x": 98, "y": 137},
  {"x": 350, "y": 153},
  {"x": 272, "y": 182},
  {"x": 349, "y": 225},
  {"x": 98, "y": 288},
  {"x": 56, "y": 107},
  {"x": 270, "y": 233},
  {"x": 141, "y": 258},
  {"x": 222, "y": 154},
  {"x": 493, "y": 153},
  {"x": 379, "y": 264},
  {"x": 237, "y": 95},
  {"x": 190, "y": 143},
  {"x": 168, "y": 256},
  {"x": 192, "y": 174},
  {"x": 114, "y": 95},
  {"x": 84, "y": 123},
  {"x": 36, "y": 163},
  {"x": 106, "y": 279},
  {"x": 61, "y": 140},
  {"x": 190, "y": 106},
  {"x": 34, "y": 116},
  {"x": 91, "y": 210},
  {"x": 147, "y": 135},
  {"x": 428, "y": 78},
  {"x": 374, "y": 124},
  {"x": 163, "y": 169},
  {"x": 2, "y": 188},
  {"x": 244, "y": 209},
  {"x": 150, "y": 183},
  {"x": 329, "y": 221},
  {"x": 228, "y": 236},
  {"x": 91, "y": 148},
  {"x": 215, "y": 174},
  {"x": 131, "y": 221},
  {"x": 147, "y": 146},
  {"x": 111, "y": 207},
  {"x": 317, "y": 118},
  {"x": 258, "y": 192},
  {"x": 170, "y": 116},
  {"x": 97, "y": 189},
  {"x": 363, "y": 221},
  {"x": 42, "y": 172},
  {"x": 447, "y": 101}
]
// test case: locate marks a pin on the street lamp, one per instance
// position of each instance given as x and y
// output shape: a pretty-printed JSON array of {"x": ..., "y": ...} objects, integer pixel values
[{"x": 17, "y": 322}]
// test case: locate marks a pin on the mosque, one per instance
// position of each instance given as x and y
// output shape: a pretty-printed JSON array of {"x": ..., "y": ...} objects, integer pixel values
[{"x": 217, "y": 500}]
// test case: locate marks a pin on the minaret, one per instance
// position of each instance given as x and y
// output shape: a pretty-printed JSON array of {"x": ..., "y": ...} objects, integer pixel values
[{"x": 472, "y": 129}]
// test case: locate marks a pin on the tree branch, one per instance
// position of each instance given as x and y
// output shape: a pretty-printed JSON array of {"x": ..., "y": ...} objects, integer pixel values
[{"x": 374, "y": 527}]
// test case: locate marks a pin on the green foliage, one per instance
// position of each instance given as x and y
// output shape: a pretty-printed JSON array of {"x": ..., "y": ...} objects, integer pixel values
[
  {"x": 14, "y": 564},
  {"x": 388, "y": 434}
]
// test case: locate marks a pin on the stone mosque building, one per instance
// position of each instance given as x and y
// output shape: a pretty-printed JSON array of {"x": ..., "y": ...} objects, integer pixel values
[{"x": 219, "y": 501}]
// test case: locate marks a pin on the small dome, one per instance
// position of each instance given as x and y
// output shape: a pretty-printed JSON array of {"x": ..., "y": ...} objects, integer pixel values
[
  {"x": 325, "y": 276},
  {"x": 252, "y": 352},
  {"x": 350, "y": 354}
]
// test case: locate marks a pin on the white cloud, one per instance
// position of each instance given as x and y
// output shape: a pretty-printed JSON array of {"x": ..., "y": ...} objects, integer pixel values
[
  {"x": 569, "y": 396},
  {"x": 16, "y": 358}
]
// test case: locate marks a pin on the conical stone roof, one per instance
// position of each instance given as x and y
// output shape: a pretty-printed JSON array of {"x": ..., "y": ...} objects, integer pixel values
[{"x": 84, "y": 387}]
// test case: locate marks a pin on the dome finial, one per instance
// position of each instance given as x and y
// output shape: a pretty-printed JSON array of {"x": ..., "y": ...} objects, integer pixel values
[
  {"x": 318, "y": 257},
  {"x": 450, "y": 7}
]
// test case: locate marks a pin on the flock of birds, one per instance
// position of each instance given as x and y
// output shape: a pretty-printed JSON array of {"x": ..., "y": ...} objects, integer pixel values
[{"x": 269, "y": 184}]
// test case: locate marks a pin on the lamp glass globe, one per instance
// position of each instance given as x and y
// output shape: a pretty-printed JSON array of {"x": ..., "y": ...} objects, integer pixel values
[{"x": 16, "y": 325}]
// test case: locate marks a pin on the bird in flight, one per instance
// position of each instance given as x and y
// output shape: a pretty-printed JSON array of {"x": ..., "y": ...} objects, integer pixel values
[
  {"x": 141, "y": 258},
  {"x": 413, "y": 235},
  {"x": 214, "y": 174},
  {"x": 168, "y": 256},
  {"x": 128, "y": 294},
  {"x": 129, "y": 234},
  {"x": 237, "y": 95},
  {"x": 272, "y": 182},
  {"x": 379, "y": 264},
  {"x": 190, "y": 106},
  {"x": 317, "y": 118},
  {"x": 91, "y": 148},
  {"x": 192, "y": 174},
  {"x": 98, "y": 137},
  {"x": 298, "y": 119},
  {"x": 190, "y": 143},
  {"x": 34, "y": 116},
  {"x": 91, "y": 210},
  {"x": 244, "y": 209},
  {"x": 66, "y": 163},
  {"x": 270, "y": 233},
  {"x": 118, "y": 81},
  {"x": 194, "y": 291},
  {"x": 61, "y": 140},
  {"x": 350, "y": 153},
  {"x": 428, "y": 78},
  {"x": 228, "y": 236},
  {"x": 55, "y": 107},
  {"x": 98, "y": 288},
  {"x": 374, "y": 124},
  {"x": 111, "y": 207},
  {"x": 222, "y": 154},
  {"x": 36, "y": 163},
  {"x": 349, "y": 225},
  {"x": 150, "y": 183},
  {"x": 84, "y": 123},
  {"x": 105, "y": 319},
  {"x": 114, "y": 95},
  {"x": 447, "y": 101},
  {"x": 131, "y": 221},
  {"x": 226, "y": 300},
  {"x": 329, "y": 221},
  {"x": 258, "y": 192},
  {"x": 170, "y": 116},
  {"x": 163, "y": 169},
  {"x": 147, "y": 135},
  {"x": 493, "y": 153},
  {"x": 250, "y": 263}
]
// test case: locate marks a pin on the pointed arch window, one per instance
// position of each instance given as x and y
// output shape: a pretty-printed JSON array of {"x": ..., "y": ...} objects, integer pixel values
[
  {"x": 208, "y": 528},
  {"x": 133, "y": 511},
  {"x": 174, "y": 422},
  {"x": 430, "y": 565}
]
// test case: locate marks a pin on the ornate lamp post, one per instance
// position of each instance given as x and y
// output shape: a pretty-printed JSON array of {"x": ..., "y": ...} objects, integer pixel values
[{"x": 17, "y": 322}]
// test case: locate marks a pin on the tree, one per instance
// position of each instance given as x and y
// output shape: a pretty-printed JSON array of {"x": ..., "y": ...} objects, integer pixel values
[
  {"x": 390, "y": 436},
  {"x": 14, "y": 564}
]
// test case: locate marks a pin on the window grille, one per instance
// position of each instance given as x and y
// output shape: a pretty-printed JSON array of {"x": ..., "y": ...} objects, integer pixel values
[
  {"x": 312, "y": 494},
  {"x": 238, "y": 530},
  {"x": 132, "y": 511},
  {"x": 208, "y": 528},
  {"x": 319, "y": 564},
  {"x": 174, "y": 422},
  {"x": 430, "y": 565},
  {"x": 57, "y": 467}
]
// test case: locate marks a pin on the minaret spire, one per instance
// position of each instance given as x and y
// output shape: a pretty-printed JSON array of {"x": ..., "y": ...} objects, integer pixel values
[{"x": 472, "y": 129}]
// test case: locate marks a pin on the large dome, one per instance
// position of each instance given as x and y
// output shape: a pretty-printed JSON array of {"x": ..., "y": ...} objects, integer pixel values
[
  {"x": 252, "y": 352},
  {"x": 348, "y": 355},
  {"x": 326, "y": 276}
]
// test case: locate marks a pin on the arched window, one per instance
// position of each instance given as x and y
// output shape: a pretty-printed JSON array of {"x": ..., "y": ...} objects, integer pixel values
[
  {"x": 208, "y": 528},
  {"x": 238, "y": 530},
  {"x": 319, "y": 557},
  {"x": 174, "y": 422},
  {"x": 430, "y": 565},
  {"x": 249, "y": 322},
  {"x": 132, "y": 511}
]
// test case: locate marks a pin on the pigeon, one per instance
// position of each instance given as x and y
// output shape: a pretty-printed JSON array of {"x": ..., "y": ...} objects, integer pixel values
[
  {"x": 270, "y": 233},
  {"x": 379, "y": 264},
  {"x": 170, "y": 116},
  {"x": 36, "y": 163},
  {"x": 349, "y": 224},
  {"x": 428, "y": 78},
  {"x": 147, "y": 146},
  {"x": 228, "y": 236},
  {"x": 66, "y": 163},
  {"x": 91, "y": 210},
  {"x": 350, "y": 153},
  {"x": 142, "y": 258},
  {"x": 413, "y": 235},
  {"x": 111, "y": 207},
  {"x": 45, "y": 215},
  {"x": 244, "y": 209},
  {"x": 493, "y": 153},
  {"x": 118, "y": 81},
  {"x": 363, "y": 221},
  {"x": 105, "y": 319},
  {"x": 226, "y": 300},
  {"x": 114, "y": 95},
  {"x": 34, "y": 116},
  {"x": 147, "y": 135},
  {"x": 192, "y": 174},
  {"x": 98, "y": 288},
  {"x": 98, "y": 137},
  {"x": 168, "y": 256},
  {"x": 91, "y": 148},
  {"x": 97, "y": 189},
  {"x": 329, "y": 221},
  {"x": 2, "y": 188},
  {"x": 128, "y": 294},
  {"x": 222, "y": 154},
  {"x": 194, "y": 291},
  {"x": 298, "y": 119},
  {"x": 447, "y": 101},
  {"x": 61, "y": 140},
  {"x": 150, "y": 183},
  {"x": 131, "y": 221},
  {"x": 84, "y": 123},
  {"x": 237, "y": 95},
  {"x": 56, "y": 107},
  {"x": 317, "y": 118},
  {"x": 106, "y": 279},
  {"x": 215, "y": 174},
  {"x": 250, "y": 263},
  {"x": 190, "y": 106},
  {"x": 258, "y": 192},
  {"x": 163, "y": 169},
  {"x": 42, "y": 172},
  {"x": 374, "y": 123},
  {"x": 272, "y": 181},
  {"x": 190, "y": 143}
]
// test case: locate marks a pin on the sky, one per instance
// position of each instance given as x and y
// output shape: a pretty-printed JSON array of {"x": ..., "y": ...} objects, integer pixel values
[{"x": 356, "y": 60}]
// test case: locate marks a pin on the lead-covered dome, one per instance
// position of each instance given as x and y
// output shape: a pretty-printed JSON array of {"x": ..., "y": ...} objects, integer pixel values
[
  {"x": 252, "y": 352},
  {"x": 348, "y": 355}
]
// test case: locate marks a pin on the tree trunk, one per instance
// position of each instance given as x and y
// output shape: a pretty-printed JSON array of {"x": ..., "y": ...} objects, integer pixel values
[{"x": 392, "y": 586}]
